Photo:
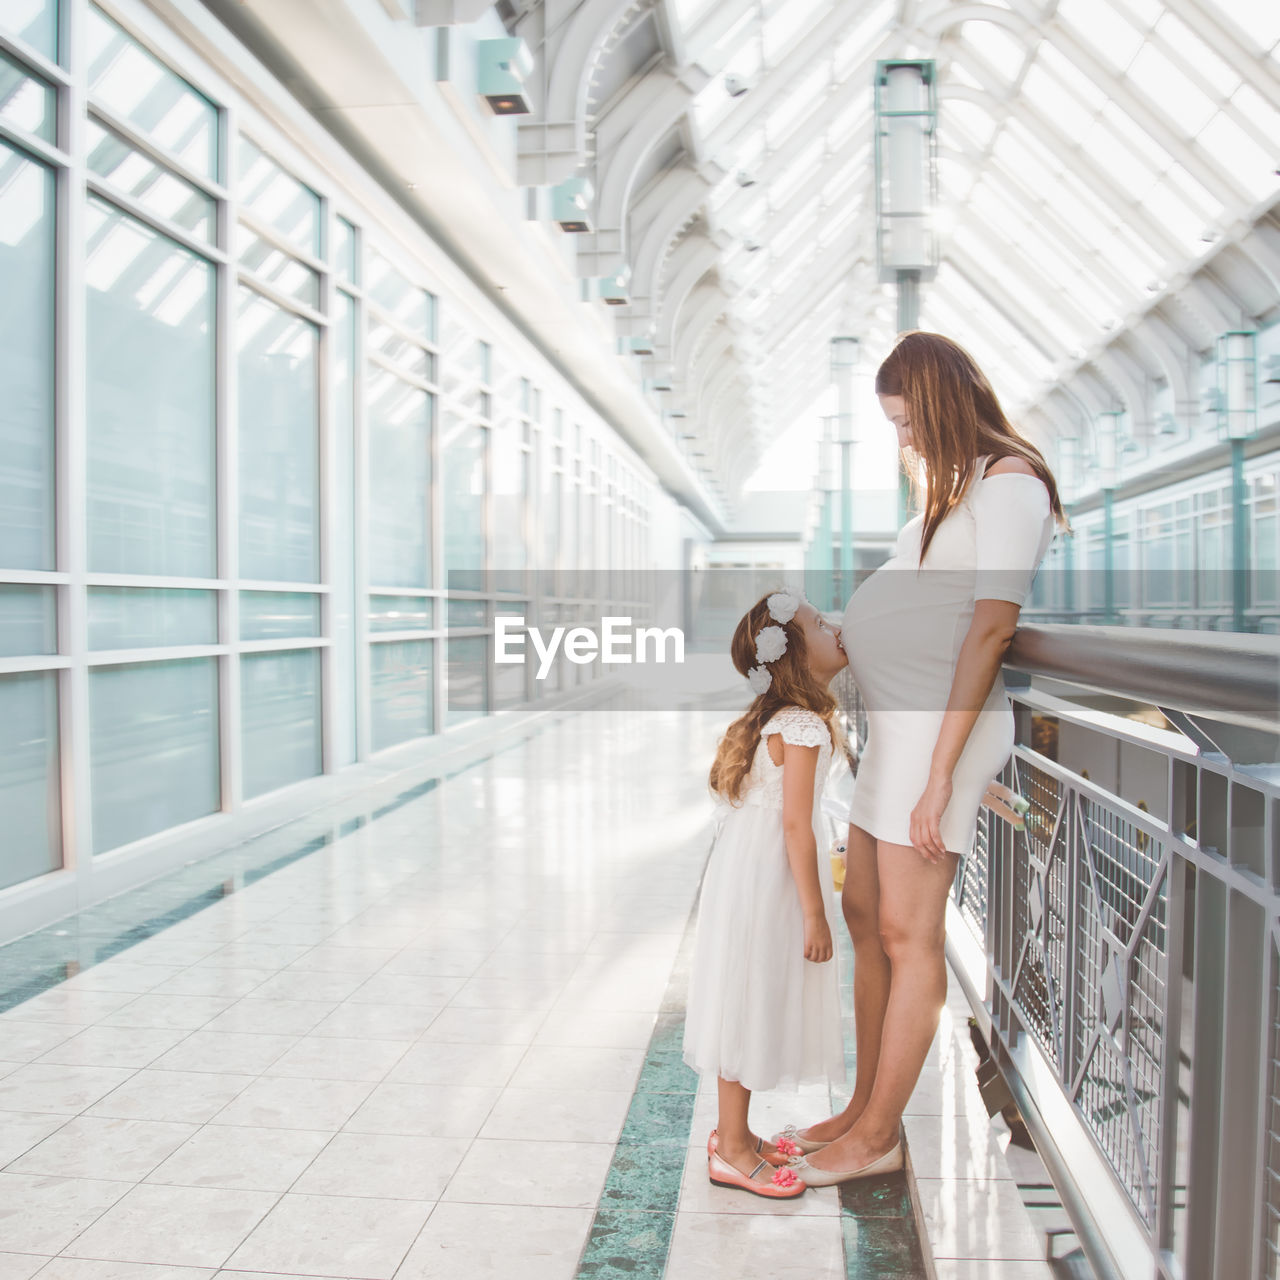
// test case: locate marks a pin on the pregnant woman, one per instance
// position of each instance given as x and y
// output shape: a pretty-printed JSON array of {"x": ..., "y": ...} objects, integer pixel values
[{"x": 925, "y": 635}]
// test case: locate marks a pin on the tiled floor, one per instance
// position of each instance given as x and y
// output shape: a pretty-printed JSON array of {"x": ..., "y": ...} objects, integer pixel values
[{"x": 442, "y": 1043}]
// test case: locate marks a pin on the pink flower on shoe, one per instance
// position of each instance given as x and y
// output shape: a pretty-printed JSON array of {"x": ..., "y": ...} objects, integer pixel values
[
  {"x": 784, "y": 1177},
  {"x": 787, "y": 1147}
]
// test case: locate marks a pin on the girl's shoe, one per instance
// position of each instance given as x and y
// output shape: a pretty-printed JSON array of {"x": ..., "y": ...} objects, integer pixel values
[
  {"x": 890, "y": 1162},
  {"x": 784, "y": 1185},
  {"x": 792, "y": 1135},
  {"x": 776, "y": 1158}
]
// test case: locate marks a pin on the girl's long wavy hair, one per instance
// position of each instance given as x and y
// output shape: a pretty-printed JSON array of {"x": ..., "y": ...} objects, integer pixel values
[
  {"x": 792, "y": 685},
  {"x": 955, "y": 418}
]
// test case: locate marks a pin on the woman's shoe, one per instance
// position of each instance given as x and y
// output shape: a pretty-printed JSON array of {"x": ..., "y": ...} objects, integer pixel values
[
  {"x": 792, "y": 1134},
  {"x": 784, "y": 1185},
  {"x": 775, "y": 1158},
  {"x": 890, "y": 1162}
]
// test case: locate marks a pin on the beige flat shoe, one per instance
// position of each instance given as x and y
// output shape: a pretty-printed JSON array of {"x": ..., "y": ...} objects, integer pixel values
[
  {"x": 890, "y": 1162},
  {"x": 792, "y": 1134}
]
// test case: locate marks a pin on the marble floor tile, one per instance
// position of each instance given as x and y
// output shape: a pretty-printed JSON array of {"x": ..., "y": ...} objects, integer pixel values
[
  {"x": 209, "y": 980},
  {"x": 977, "y": 1220},
  {"x": 485, "y": 1026},
  {"x": 307, "y": 984},
  {"x": 272, "y": 1017},
  {"x": 123, "y": 975},
  {"x": 93, "y": 1269},
  {"x": 408, "y": 989},
  {"x": 378, "y": 1021},
  {"x": 155, "y": 1010},
  {"x": 20, "y": 1266},
  {"x": 232, "y": 1052},
  {"x": 93, "y": 1147},
  {"x": 566, "y": 1174},
  {"x": 602, "y": 1028},
  {"x": 962, "y": 1146},
  {"x": 110, "y": 1046},
  {"x": 186, "y": 1097},
  {"x": 44, "y": 1214},
  {"x": 578, "y": 1067},
  {"x": 424, "y": 1110},
  {"x": 27, "y": 1041},
  {"x": 19, "y": 1132},
  {"x": 989, "y": 1269},
  {"x": 241, "y": 1158},
  {"x": 59, "y": 1005},
  {"x": 284, "y": 1103},
  {"x": 255, "y": 955},
  {"x": 507, "y": 993},
  {"x": 49, "y": 1086},
  {"x": 383, "y": 1165},
  {"x": 362, "y": 1238},
  {"x": 550, "y": 967},
  {"x": 497, "y": 1242},
  {"x": 339, "y": 1058},
  {"x": 725, "y": 1245},
  {"x": 333, "y": 957},
  {"x": 437, "y": 961},
  {"x": 544, "y": 1115},
  {"x": 441, "y": 1062},
  {"x": 177, "y": 1226}
]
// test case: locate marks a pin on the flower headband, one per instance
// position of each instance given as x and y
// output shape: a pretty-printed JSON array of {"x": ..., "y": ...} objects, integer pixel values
[{"x": 771, "y": 642}]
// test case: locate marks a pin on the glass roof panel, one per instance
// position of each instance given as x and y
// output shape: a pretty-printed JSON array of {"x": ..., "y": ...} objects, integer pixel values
[
  {"x": 1058, "y": 103},
  {"x": 1171, "y": 91},
  {"x": 688, "y": 12},
  {"x": 1259, "y": 20},
  {"x": 799, "y": 102},
  {"x": 1252, "y": 167},
  {"x": 786, "y": 24},
  {"x": 1100, "y": 25},
  {"x": 1197, "y": 55},
  {"x": 995, "y": 46}
]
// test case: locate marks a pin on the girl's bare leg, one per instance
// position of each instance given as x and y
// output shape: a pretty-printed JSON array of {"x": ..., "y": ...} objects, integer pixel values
[
  {"x": 736, "y": 1144},
  {"x": 861, "y": 904},
  {"x": 913, "y": 898}
]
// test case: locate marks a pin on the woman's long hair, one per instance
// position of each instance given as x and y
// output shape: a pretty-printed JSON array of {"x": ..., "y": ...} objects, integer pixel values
[
  {"x": 955, "y": 419},
  {"x": 792, "y": 685}
]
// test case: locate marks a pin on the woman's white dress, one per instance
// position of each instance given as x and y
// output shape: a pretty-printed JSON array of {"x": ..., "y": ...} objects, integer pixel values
[
  {"x": 903, "y": 631},
  {"x": 758, "y": 1011}
]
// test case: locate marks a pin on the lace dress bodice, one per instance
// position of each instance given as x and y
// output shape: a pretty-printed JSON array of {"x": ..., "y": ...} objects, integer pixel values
[{"x": 800, "y": 727}]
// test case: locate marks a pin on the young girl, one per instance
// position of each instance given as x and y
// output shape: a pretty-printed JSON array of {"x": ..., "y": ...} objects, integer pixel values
[{"x": 764, "y": 1006}]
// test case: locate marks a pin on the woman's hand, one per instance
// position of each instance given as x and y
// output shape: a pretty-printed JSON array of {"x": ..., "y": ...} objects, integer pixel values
[
  {"x": 926, "y": 818},
  {"x": 817, "y": 939}
]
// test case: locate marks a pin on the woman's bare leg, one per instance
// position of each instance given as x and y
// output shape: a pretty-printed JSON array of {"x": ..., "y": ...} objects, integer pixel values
[
  {"x": 861, "y": 903},
  {"x": 913, "y": 899}
]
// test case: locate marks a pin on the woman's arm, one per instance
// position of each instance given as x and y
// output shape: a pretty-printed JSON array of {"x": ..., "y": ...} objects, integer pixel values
[{"x": 799, "y": 771}]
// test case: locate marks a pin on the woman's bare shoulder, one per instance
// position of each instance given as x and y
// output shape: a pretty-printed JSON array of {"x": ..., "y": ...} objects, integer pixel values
[{"x": 1010, "y": 465}]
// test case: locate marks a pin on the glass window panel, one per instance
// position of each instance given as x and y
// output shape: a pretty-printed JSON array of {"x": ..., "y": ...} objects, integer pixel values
[
  {"x": 399, "y": 351},
  {"x": 1179, "y": 37},
  {"x": 279, "y": 443},
  {"x": 278, "y": 615},
  {"x": 401, "y": 613},
  {"x": 1260, "y": 22},
  {"x": 152, "y": 185},
  {"x": 145, "y": 617},
  {"x": 467, "y": 613},
  {"x": 1105, "y": 30},
  {"x": 996, "y": 46},
  {"x": 29, "y": 790},
  {"x": 462, "y": 491},
  {"x": 140, "y": 89},
  {"x": 391, "y": 291},
  {"x": 1252, "y": 166},
  {"x": 150, "y": 401},
  {"x": 153, "y": 747},
  {"x": 344, "y": 250},
  {"x": 278, "y": 198},
  {"x": 510, "y": 489},
  {"x": 273, "y": 266},
  {"x": 25, "y": 102},
  {"x": 36, "y": 22},
  {"x": 468, "y": 679},
  {"x": 28, "y": 621},
  {"x": 399, "y": 418},
  {"x": 26, "y": 362},
  {"x": 400, "y": 691},
  {"x": 280, "y": 710}
]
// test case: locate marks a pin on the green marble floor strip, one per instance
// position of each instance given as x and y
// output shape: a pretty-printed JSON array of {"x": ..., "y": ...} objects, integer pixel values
[{"x": 630, "y": 1236}]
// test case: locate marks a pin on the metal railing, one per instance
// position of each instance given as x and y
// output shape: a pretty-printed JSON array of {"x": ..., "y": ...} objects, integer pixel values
[{"x": 1122, "y": 953}]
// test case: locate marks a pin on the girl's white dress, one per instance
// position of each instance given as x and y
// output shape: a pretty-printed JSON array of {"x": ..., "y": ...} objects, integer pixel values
[{"x": 758, "y": 1011}]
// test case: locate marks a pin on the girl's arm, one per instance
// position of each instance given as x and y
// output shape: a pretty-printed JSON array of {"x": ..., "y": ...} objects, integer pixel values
[
  {"x": 1009, "y": 519},
  {"x": 799, "y": 769}
]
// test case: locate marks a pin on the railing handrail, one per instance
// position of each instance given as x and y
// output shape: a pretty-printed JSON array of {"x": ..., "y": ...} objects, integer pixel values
[{"x": 1224, "y": 676}]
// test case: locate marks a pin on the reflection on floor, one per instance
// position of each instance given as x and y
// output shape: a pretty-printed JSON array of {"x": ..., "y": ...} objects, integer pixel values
[{"x": 436, "y": 1040}]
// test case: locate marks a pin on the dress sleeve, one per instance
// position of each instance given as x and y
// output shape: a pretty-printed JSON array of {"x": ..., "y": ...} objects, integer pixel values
[
  {"x": 798, "y": 726},
  {"x": 1013, "y": 524}
]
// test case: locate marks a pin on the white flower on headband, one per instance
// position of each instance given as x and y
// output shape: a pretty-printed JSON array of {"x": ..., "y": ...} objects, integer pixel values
[
  {"x": 771, "y": 644},
  {"x": 759, "y": 678},
  {"x": 783, "y": 605}
]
